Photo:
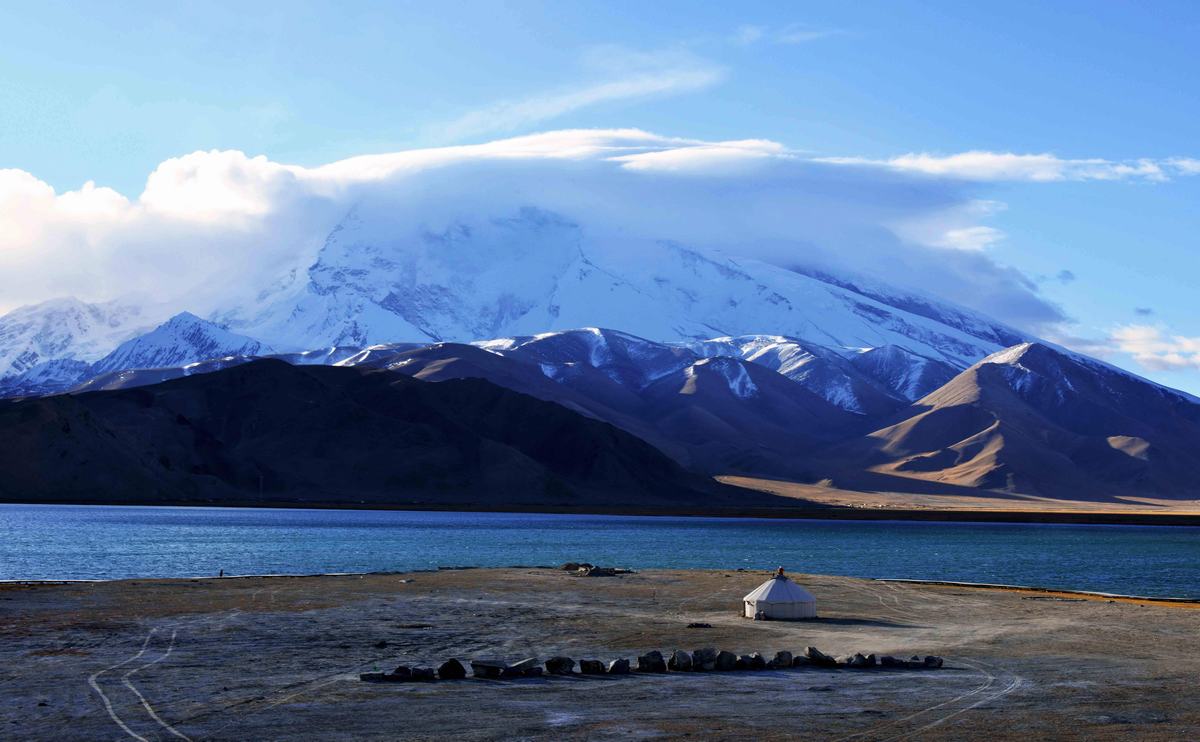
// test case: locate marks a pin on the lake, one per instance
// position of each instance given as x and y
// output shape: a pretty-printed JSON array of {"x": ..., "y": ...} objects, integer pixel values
[{"x": 102, "y": 542}]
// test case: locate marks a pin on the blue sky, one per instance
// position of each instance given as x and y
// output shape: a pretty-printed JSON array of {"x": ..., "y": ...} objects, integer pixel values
[{"x": 106, "y": 93}]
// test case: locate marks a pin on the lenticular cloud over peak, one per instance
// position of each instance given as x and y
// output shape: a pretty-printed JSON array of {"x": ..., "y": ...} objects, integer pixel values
[{"x": 214, "y": 229}]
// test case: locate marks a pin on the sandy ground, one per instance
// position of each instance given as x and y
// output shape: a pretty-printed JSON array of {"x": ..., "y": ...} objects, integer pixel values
[
  {"x": 963, "y": 499},
  {"x": 278, "y": 658}
]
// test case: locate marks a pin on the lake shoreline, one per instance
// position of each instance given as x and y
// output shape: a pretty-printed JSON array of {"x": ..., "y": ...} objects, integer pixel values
[{"x": 820, "y": 512}]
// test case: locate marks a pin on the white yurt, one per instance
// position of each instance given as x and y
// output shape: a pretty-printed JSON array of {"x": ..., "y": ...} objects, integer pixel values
[{"x": 780, "y": 599}]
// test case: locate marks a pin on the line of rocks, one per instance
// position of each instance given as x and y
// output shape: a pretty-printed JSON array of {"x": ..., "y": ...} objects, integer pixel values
[{"x": 700, "y": 660}]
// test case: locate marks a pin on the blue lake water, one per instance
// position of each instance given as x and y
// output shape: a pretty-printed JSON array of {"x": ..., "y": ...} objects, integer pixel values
[{"x": 82, "y": 542}]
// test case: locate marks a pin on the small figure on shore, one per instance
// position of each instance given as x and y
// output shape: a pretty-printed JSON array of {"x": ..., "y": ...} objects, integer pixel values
[{"x": 221, "y": 573}]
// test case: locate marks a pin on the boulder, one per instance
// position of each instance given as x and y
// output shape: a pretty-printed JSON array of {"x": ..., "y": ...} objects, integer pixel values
[
  {"x": 532, "y": 672},
  {"x": 423, "y": 674},
  {"x": 403, "y": 672},
  {"x": 889, "y": 661},
  {"x": 523, "y": 665},
  {"x": 704, "y": 660},
  {"x": 591, "y": 667},
  {"x": 680, "y": 661},
  {"x": 858, "y": 660},
  {"x": 560, "y": 665},
  {"x": 618, "y": 667},
  {"x": 819, "y": 658},
  {"x": 489, "y": 669},
  {"x": 374, "y": 677},
  {"x": 451, "y": 670},
  {"x": 781, "y": 661},
  {"x": 699, "y": 625},
  {"x": 933, "y": 662},
  {"x": 872, "y": 661},
  {"x": 651, "y": 662},
  {"x": 726, "y": 661},
  {"x": 752, "y": 661}
]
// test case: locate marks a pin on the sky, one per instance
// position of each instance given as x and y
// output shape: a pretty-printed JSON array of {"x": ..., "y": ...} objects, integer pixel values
[{"x": 1039, "y": 163}]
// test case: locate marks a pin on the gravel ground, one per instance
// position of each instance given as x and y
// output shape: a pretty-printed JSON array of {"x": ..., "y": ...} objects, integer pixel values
[{"x": 279, "y": 658}]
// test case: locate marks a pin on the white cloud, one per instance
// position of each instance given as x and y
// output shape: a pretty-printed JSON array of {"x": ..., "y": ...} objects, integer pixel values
[
  {"x": 982, "y": 166},
  {"x": 977, "y": 237},
  {"x": 792, "y": 33},
  {"x": 213, "y": 228},
  {"x": 954, "y": 228},
  {"x": 724, "y": 157},
  {"x": 618, "y": 74},
  {"x": 1156, "y": 349}
]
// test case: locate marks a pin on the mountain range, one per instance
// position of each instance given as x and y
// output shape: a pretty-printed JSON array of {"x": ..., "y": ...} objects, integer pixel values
[{"x": 726, "y": 365}]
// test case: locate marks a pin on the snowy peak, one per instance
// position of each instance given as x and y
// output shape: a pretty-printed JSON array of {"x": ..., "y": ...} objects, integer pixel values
[
  {"x": 1038, "y": 365},
  {"x": 386, "y": 276},
  {"x": 623, "y": 358},
  {"x": 906, "y": 374},
  {"x": 64, "y": 329},
  {"x": 184, "y": 339}
]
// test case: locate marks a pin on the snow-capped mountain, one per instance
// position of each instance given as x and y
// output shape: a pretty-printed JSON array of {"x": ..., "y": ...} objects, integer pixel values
[
  {"x": 182, "y": 345},
  {"x": 378, "y": 280},
  {"x": 65, "y": 329},
  {"x": 183, "y": 339}
]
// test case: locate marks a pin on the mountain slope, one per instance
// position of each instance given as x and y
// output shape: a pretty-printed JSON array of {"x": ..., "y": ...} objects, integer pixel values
[
  {"x": 269, "y": 431},
  {"x": 378, "y": 280},
  {"x": 183, "y": 339},
  {"x": 712, "y": 415},
  {"x": 64, "y": 329},
  {"x": 1036, "y": 420}
]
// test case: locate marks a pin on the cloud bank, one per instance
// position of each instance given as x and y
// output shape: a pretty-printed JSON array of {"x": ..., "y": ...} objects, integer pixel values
[
  {"x": 215, "y": 228},
  {"x": 981, "y": 166},
  {"x": 1156, "y": 349}
]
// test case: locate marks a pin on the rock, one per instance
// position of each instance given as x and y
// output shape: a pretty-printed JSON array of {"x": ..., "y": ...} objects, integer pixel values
[
  {"x": 451, "y": 670},
  {"x": 933, "y": 662},
  {"x": 532, "y": 672},
  {"x": 618, "y": 667},
  {"x": 403, "y": 672},
  {"x": 560, "y": 665},
  {"x": 423, "y": 674},
  {"x": 889, "y": 661},
  {"x": 600, "y": 572},
  {"x": 374, "y": 677},
  {"x": 819, "y": 658},
  {"x": 523, "y": 665},
  {"x": 699, "y": 625},
  {"x": 381, "y": 644},
  {"x": 916, "y": 660},
  {"x": 704, "y": 660},
  {"x": 726, "y": 661},
  {"x": 490, "y": 669},
  {"x": 680, "y": 661},
  {"x": 858, "y": 660},
  {"x": 800, "y": 661},
  {"x": 872, "y": 661},
  {"x": 651, "y": 662},
  {"x": 752, "y": 661},
  {"x": 591, "y": 667},
  {"x": 575, "y": 566},
  {"x": 781, "y": 661}
]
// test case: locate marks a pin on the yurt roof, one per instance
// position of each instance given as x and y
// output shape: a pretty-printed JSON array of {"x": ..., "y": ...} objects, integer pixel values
[{"x": 780, "y": 589}]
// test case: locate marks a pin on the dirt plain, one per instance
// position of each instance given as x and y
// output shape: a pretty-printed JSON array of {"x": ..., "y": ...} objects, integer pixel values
[{"x": 278, "y": 658}]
